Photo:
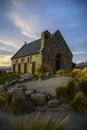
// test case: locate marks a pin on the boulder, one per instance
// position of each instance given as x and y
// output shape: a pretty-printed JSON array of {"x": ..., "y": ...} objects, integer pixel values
[
  {"x": 29, "y": 92},
  {"x": 38, "y": 99},
  {"x": 17, "y": 92},
  {"x": 48, "y": 96},
  {"x": 53, "y": 103}
]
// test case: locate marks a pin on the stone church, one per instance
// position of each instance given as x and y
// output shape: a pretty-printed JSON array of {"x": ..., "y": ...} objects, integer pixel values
[{"x": 50, "y": 49}]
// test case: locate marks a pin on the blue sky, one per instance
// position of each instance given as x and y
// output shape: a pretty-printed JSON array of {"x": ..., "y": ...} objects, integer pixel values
[{"x": 24, "y": 20}]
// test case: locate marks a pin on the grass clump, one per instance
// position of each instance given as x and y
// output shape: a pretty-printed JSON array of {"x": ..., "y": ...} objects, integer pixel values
[
  {"x": 8, "y": 78},
  {"x": 83, "y": 86},
  {"x": 63, "y": 72},
  {"x": 15, "y": 105},
  {"x": 79, "y": 74},
  {"x": 43, "y": 69},
  {"x": 20, "y": 86},
  {"x": 61, "y": 92},
  {"x": 79, "y": 102},
  {"x": 5, "y": 100},
  {"x": 21, "y": 106},
  {"x": 73, "y": 95},
  {"x": 46, "y": 122}
]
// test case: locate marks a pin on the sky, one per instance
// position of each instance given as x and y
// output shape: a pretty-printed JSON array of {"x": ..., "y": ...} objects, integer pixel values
[{"x": 24, "y": 20}]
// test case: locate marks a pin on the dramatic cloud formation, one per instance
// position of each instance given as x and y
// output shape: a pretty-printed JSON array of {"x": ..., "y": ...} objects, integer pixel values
[{"x": 24, "y": 20}]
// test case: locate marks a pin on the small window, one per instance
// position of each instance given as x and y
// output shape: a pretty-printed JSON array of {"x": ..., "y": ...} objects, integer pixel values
[{"x": 30, "y": 58}]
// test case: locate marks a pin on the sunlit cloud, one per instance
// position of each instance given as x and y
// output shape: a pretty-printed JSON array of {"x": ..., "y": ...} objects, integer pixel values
[
  {"x": 26, "y": 27},
  {"x": 26, "y": 23},
  {"x": 5, "y": 60},
  {"x": 79, "y": 52}
]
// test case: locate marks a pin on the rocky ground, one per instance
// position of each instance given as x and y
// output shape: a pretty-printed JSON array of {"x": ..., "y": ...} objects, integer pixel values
[{"x": 48, "y": 85}]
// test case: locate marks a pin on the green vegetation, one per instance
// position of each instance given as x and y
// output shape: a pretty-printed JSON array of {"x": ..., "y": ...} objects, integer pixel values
[
  {"x": 79, "y": 102},
  {"x": 79, "y": 74},
  {"x": 73, "y": 94},
  {"x": 63, "y": 72},
  {"x": 43, "y": 69},
  {"x": 20, "y": 106},
  {"x": 20, "y": 86},
  {"x": 39, "y": 122},
  {"x": 8, "y": 78},
  {"x": 15, "y": 105}
]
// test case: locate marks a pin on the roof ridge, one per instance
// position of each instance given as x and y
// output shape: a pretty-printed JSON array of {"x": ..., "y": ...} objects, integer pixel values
[{"x": 33, "y": 41}]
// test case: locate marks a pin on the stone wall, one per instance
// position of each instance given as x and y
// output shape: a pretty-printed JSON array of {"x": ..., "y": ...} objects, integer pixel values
[
  {"x": 35, "y": 60},
  {"x": 53, "y": 46}
]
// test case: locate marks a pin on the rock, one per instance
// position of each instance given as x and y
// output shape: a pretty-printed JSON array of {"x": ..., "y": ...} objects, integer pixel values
[
  {"x": 17, "y": 92},
  {"x": 29, "y": 92},
  {"x": 27, "y": 77},
  {"x": 49, "y": 96},
  {"x": 39, "y": 99},
  {"x": 53, "y": 103}
]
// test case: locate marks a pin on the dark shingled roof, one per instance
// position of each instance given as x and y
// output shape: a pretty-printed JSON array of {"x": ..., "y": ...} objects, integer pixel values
[{"x": 29, "y": 49}]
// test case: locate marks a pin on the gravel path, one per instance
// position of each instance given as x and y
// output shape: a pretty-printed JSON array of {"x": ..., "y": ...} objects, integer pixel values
[{"x": 48, "y": 85}]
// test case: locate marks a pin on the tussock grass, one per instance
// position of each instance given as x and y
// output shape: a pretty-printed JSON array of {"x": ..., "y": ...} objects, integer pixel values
[
  {"x": 79, "y": 102},
  {"x": 74, "y": 94},
  {"x": 43, "y": 69},
  {"x": 46, "y": 122}
]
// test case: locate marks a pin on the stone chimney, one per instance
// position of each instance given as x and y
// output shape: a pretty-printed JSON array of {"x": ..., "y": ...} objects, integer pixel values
[{"x": 44, "y": 36}]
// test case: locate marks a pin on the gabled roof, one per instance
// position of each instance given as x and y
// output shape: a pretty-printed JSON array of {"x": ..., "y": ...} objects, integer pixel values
[{"x": 28, "y": 49}]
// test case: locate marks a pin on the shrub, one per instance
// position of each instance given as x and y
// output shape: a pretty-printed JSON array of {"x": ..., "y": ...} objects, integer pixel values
[
  {"x": 73, "y": 94},
  {"x": 71, "y": 89},
  {"x": 68, "y": 92},
  {"x": 80, "y": 74},
  {"x": 20, "y": 106},
  {"x": 75, "y": 72},
  {"x": 63, "y": 72},
  {"x": 20, "y": 86},
  {"x": 46, "y": 122},
  {"x": 5, "y": 100},
  {"x": 79, "y": 102},
  {"x": 44, "y": 69},
  {"x": 8, "y": 99},
  {"x": 83, "y": 86},
  {"x": 36, "y": 77},
  {"x": 61, "y": 92}
]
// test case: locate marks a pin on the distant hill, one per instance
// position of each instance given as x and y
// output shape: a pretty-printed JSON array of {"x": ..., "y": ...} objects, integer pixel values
[
  {"x": 82, "y": 64},
  {"x": 5, "y": 68}
]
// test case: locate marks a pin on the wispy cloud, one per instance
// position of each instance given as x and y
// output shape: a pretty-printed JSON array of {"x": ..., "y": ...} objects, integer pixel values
[
  {"x": 9, "y": 43},
  {"x": 26, "y": 22},
  {"x": 27, "y": 27},
  {"x": 79, "y": 52}
]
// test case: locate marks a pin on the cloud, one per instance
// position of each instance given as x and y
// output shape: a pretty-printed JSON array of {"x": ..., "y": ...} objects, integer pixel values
[
  {"x": 9, "y": 43},
  {"x": 5, "y": 60},
  {"x": 28, "y": 27},
  {"x": 79, "y": 52}
]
